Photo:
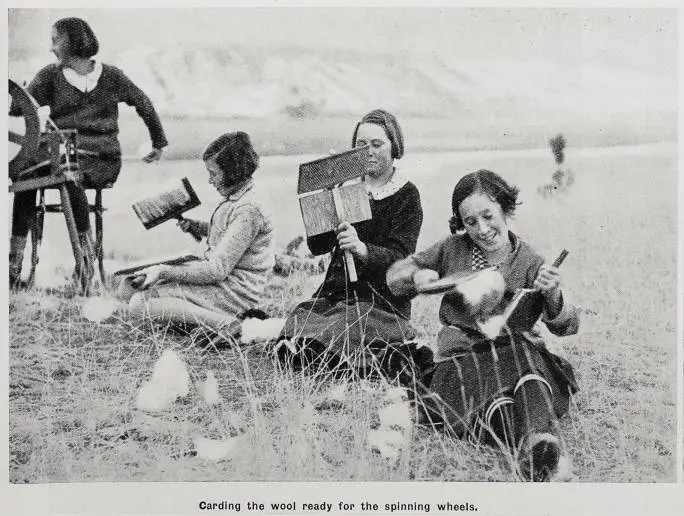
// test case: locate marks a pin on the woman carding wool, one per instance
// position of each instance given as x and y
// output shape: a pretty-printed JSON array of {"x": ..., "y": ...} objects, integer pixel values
[
  {"x": 82, "y": 94},
  {"x": 511, "y": 384},
  {"x": 347, "y": 328},
  {"x": 231, "y": 277}
]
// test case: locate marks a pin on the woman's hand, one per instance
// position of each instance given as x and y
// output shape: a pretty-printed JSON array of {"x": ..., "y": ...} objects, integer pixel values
[
  {"x": 154, "y": 155},
  {"x": 424, "y": 277},
  {"x": 187, "y": 225},
  {"x": 548, "y": 283},
  {"x": 152, "y": 275},
  {"x": 194, "y": 227},
  {"x": 348, "y": 240},
  {"x": 548, "y": 280}
]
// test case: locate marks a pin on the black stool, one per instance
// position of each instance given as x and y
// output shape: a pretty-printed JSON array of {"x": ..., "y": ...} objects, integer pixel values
[{"x": 37, "y": 232}]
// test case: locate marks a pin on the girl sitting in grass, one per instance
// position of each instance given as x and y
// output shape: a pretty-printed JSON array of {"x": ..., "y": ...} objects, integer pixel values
[
  {"x": 346, "y": 327},
  {"x": 499, "y": 382},
  {"x": 230, "y": 279}
]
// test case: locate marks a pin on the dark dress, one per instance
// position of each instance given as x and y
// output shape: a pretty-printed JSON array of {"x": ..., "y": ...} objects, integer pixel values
[{"x": 348, "y": 325}]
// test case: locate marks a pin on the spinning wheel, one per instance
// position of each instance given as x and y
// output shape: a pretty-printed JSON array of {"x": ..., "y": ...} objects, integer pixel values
[
  {"x": 23, "y": 141},
  {"x": 28, "y": 163}
]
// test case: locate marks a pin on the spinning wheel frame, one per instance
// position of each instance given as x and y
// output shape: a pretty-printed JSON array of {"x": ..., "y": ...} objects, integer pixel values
[
  {"x": 30, "y": 139},
  {"x": 26, "y": 161}
]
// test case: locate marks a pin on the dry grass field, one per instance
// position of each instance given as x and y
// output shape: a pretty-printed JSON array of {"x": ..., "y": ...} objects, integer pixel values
[{"x": 73, "y": 382}]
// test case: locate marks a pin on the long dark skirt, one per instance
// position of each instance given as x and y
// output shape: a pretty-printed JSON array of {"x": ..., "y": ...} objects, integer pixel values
[
  {"x": 356, "y": 335},
  {"x": 99, "y": 172},
  {"x": 467, "y": 384}
]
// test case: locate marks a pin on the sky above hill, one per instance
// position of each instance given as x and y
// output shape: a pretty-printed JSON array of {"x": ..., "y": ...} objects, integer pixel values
[{"x": 641, "y": 40}]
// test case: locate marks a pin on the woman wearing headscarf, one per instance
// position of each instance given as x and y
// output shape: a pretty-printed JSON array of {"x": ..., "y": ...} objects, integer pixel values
[
  {"x": 352, "y": 326},
  {"x": 231, "y": 277},
  {"x": 82, "y": 94}
]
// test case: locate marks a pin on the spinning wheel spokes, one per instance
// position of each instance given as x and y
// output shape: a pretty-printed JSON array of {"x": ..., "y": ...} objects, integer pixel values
[
  {"x": 26, "y": 138},
  {"x": 16, "y": 138},
  {"x": 27, "y": 160},
  {"x": 17, "y": 130}
]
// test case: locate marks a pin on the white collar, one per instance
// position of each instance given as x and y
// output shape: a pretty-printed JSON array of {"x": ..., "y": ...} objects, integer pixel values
[
  {"x": 395, "y": 183},
  {"x": 86, "y": 82}
]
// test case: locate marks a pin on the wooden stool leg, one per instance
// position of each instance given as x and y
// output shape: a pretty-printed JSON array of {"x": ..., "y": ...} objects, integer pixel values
[
  {"x": 81, "y": 275},
  {"x": 37, "y": 237},
  {"x": 99, "y": 236}
]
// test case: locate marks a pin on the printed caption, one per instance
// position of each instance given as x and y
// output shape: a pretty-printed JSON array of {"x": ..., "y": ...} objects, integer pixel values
[{"x": 337, "y": 507}]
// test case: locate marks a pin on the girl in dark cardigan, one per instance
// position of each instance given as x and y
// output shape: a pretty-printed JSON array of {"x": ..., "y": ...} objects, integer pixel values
[
  {"x": 495, "y": 383},
  {"x": 83, "y": 94},
  {"x": 340, "y": 327}
]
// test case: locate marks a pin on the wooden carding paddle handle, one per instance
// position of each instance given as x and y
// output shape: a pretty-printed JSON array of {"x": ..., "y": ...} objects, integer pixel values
[
  {"x": 561, "y": 258},
  {"x": 193, "y": 235},
  {"x": 348, "y": 258}
]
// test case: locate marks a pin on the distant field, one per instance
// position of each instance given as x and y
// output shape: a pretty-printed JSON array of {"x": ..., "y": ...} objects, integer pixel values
[
  {"x": 601, "y": 172},
  {"x": 286, "y": 135},
  {"x": 72, "y": 383}
]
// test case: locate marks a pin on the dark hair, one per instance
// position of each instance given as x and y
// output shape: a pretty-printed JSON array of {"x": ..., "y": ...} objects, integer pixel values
[
  {"x": 488, "y": 183},
  {"x": 82, "y": 40},
  {"x": 235, "y": 156},
  {"x": 392, "y": 129}
]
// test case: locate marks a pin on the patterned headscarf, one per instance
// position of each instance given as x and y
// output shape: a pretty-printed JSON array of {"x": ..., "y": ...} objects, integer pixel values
[
  {"x": 392, "y": 129},
  {"x": 235, "y": 156}
]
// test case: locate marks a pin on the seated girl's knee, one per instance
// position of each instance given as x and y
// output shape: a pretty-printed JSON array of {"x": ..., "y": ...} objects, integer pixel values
[
  {"x": 139, "y": 300},
  {"x": 125, "y": 291},
  {"x": 137, "y": 303}
]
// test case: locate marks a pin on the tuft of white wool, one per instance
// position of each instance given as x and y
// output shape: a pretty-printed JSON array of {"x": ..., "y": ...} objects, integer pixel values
[
  {"x": 257, "y": 330},
  {"x": 491, "y": 328},
  {"x": 97, "y": 309},
  {"x": 397, "y": 415},
  {"x": 482, "y": 291},
  {"x": 563, "y": 470},
  {"x": 52, "y": 272},
  {"x": 48, "y": 303},
  {"x": 170, "y": 380},
  {"x": 388, "y": 443},
  {"x": 209, "y": 389},
  {"x": 170, "y": 367},
  {"x": 337, "y": 393},
  {"x": 396, "y": 394},
  {"x": 308, "y": 413},
  {"x": 153, "y": 397},
  {"x": 217, "y": 449}
]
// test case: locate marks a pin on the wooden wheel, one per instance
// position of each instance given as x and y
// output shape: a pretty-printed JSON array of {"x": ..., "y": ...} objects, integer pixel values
[{"x": 23, "y": 137}]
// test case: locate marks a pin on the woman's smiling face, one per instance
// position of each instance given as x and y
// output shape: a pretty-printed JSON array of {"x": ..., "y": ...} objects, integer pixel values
[{"x": 484, "y": 221}]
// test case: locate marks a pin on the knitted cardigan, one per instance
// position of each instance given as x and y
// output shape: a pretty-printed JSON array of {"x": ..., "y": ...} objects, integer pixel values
[{"x": 94, "y": 114}]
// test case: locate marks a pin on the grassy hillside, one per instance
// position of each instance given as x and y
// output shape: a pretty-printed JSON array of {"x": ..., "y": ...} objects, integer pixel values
[{"x": 305, "y": 100}]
